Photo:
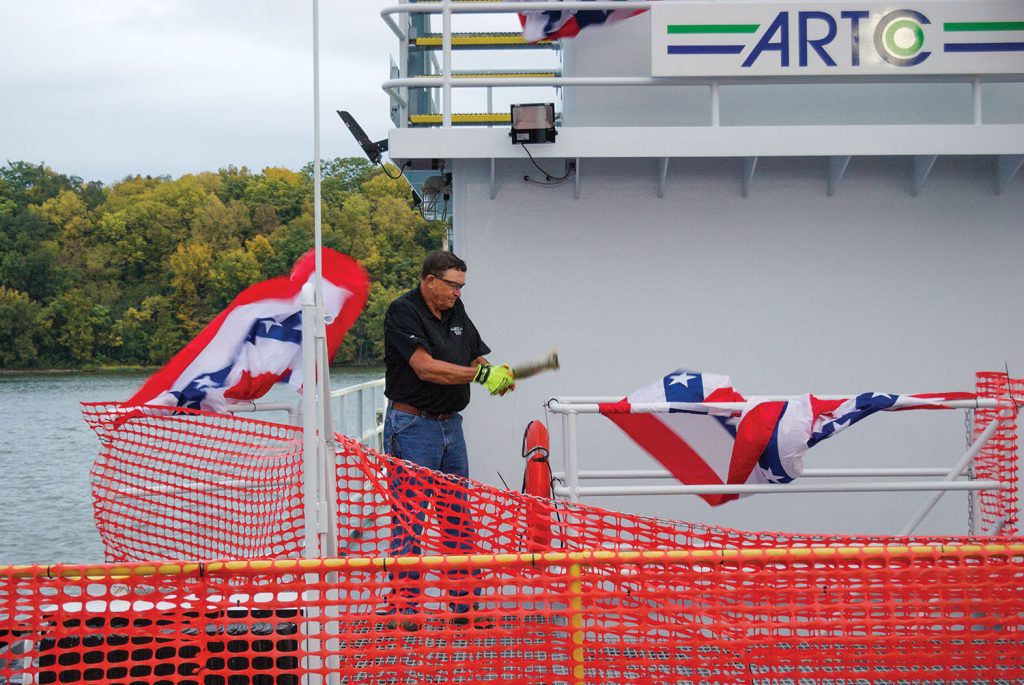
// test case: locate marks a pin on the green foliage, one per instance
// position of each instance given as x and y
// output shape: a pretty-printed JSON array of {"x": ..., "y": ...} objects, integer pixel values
[
  {"x": 22, "y": 328},
  {"x": 340, "y": 177},
  {"x": 81, "y": 328},
  {"x": 230, "y": 273},
  {"x": 32, "y": 184},
  {"x": 283, "y": 190},
  {"x": 128, "y": 273}
]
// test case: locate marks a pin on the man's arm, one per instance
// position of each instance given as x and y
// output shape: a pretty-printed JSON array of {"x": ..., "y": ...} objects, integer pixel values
[{"x": 443, "y": 373}]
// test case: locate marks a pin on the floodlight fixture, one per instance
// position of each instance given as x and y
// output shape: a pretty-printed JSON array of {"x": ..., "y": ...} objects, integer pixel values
[{"x": 533, "y": 123}]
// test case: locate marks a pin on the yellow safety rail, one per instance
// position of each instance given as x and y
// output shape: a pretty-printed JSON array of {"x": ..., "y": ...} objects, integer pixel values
[
  {"x": 462, "y": 119},
  {"x": 499, "y": 39}
]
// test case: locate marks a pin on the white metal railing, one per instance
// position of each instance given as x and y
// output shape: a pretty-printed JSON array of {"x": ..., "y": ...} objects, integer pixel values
[
  {"x": 572, "y": 475},
  {"x": 364, "y": 400},
  {"x": 369, "y": 401},
  {"x": 446, "y": 81},
  {"x": 290, "y": 408}
]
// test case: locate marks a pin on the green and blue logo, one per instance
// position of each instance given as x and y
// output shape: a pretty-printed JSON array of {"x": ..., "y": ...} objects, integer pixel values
[{"x": 901, "y": 38}]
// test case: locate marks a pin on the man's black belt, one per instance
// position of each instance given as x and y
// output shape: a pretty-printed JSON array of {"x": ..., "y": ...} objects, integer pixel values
[{"x": 409, "y": 409}]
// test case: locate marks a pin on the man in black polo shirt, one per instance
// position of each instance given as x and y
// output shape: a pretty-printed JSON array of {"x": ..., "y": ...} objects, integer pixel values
[{"x": 432, "y": 351}]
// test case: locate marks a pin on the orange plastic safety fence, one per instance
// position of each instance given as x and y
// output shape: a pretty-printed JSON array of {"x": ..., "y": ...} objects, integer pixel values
[
  {"x": 204, "y": 486},
  {"x": 890, "y": 614},
  {"x": 195, "y": 485},
  {"x": 998, "y": 459},
  {"x": 388, "y": 507},
  {"x": 452, "y": 581}
]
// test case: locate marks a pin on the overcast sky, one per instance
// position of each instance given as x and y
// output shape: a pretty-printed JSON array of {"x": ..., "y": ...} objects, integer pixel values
[{"x": 102, "y": 89}]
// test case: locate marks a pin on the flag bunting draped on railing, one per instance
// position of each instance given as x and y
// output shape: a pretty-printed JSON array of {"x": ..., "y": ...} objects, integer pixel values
[{"x": 680, "y": 421}]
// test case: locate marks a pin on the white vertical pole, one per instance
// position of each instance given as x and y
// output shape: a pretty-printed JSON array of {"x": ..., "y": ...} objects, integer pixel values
[
  {"x": 310, "y": 466},
  {"x": 380, "y": 408},
  {"x": 343, "y": 416},
  {"x": 446, "y": 62},
  {"x": 360, "y": 415},
  {"x": 316, "y": 157},
  {"x": 326, "y": 452},
  {"x": 565, "y": 441},
  {"x": 310, "y": 483},
  {"x": 316, "y": 385},
  {"x": 326, "y": 447},
  {"x": 403, "y": 70},
  {"x": 572, "y": 466},
  {"x": 974, "y": 496}
]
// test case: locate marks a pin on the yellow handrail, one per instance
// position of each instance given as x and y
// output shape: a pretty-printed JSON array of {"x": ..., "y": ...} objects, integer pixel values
[{"x": 522, "y": 559}]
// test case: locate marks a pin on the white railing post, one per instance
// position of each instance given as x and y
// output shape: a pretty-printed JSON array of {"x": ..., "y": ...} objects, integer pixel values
[
  {"x": 310, "y": 465},
  {"x": 327, "y": 447},
  {"x": 403, "y": 70},
  {"x": 343, "y": 415},
  {"x": 310, "y": 483},
  {"x": 378, "y": 417},
  {"x": 572, "y": 466},
  {"x": 360, "y": 417},
  {"x": 446, "y": 62},
  {"x": 375, "y": 389}
]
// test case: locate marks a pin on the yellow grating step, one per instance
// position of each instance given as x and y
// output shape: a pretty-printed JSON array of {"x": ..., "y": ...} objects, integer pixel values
[
  {"x": 497, "y": 74},
  {"x": 511, "y": 39},
  {"x": 461, "y": 119}
]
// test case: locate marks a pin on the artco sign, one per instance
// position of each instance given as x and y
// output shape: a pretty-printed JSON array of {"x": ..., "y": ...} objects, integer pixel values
[{"x": 834, "y": 39}]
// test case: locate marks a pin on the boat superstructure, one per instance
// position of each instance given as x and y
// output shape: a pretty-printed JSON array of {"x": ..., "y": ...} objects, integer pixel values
[
  {"x": 801, "y": 229},
  {"x": 859, "y": 230}
]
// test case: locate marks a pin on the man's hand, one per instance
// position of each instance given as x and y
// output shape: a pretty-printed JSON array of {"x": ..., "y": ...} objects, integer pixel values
[{"x": 497, "y": 379}]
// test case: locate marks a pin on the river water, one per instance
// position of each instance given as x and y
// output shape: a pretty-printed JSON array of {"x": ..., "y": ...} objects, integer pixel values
[{"x": 46, "y": 451}]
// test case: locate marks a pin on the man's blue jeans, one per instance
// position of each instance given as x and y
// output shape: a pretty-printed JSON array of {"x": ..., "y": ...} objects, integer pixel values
[{"x": 438, "y": 445}]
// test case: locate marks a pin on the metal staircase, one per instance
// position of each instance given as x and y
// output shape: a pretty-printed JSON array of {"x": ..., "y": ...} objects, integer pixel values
[{"x": 424, "y": 55}]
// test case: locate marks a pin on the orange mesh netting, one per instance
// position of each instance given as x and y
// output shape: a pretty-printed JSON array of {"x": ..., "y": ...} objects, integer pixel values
[
  {"x": 554, "y": 592},
  {"x": 195, "y": 485},
  {"x": 814, "y": 615},
  {"x": 998, "y": 459}
]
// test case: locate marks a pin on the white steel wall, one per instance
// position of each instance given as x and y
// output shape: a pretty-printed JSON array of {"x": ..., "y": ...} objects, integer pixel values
[{"x": 787, "y": 290}]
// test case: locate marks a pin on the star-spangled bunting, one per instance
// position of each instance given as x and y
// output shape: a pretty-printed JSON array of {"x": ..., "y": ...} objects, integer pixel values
[
  {"x": 541, "y": 25},
  {"x": 765, "y": 442},
  {"x": 257, "y": 340}
]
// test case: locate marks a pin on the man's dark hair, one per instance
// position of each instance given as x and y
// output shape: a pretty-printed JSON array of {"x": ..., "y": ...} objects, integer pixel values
[{"x": 438, "y": 262}]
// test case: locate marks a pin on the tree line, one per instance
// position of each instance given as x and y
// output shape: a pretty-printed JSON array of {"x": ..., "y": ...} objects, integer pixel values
[{"x": 95, "y": 275}]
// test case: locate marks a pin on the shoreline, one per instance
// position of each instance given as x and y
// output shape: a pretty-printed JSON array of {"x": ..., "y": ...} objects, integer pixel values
[
  {"x": 99, "y": 370},
  {"x": 90, "y": 370}
]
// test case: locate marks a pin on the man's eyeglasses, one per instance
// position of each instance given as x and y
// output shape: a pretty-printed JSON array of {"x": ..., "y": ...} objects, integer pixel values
[{"x": 451, "y": 284}]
